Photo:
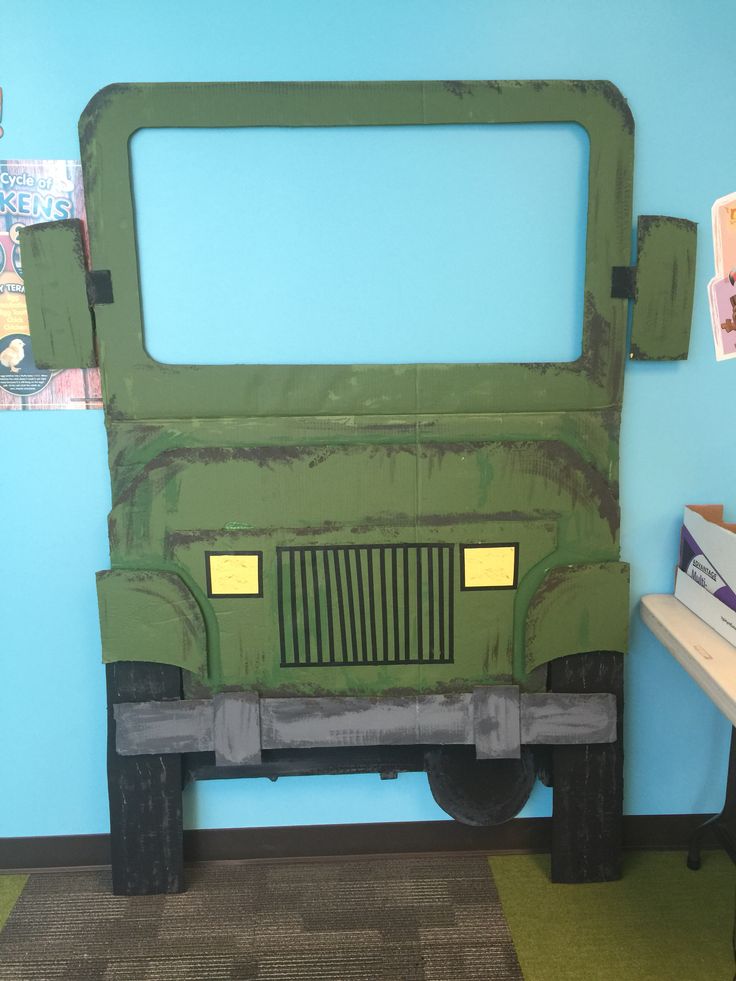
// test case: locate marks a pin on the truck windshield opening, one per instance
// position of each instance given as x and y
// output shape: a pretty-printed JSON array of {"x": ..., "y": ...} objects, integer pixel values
[{"x": 362, "y": 245}]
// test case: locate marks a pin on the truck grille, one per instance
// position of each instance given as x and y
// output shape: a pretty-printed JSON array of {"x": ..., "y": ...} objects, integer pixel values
[{"x": 366, "y": 604}]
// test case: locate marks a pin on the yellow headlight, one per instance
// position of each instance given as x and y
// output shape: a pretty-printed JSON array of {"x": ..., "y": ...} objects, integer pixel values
[
  {"x": 234, "y": 573},
  {"x": 490, "y": 566}
]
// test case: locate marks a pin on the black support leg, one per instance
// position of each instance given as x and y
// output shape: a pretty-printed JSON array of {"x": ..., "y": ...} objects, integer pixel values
[
  {"x": 145, "y": 791},
  {"x": 587, "y": 826},
  {"x": 723, "y": 825}
]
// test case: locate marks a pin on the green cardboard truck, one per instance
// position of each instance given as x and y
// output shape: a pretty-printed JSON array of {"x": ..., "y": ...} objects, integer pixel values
[{"x": 350, "y": 568}]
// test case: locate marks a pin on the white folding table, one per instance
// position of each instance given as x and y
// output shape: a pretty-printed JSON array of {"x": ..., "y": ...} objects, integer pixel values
[{"x": 711, "y": 661}]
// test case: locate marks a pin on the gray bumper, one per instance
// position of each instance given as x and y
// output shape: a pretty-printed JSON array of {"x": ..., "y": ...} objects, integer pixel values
[{"x": 238, "y": 726}]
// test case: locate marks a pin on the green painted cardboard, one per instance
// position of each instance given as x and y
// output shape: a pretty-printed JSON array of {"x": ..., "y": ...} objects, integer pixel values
[
  {"x": 153, "y": 614},
  {"x": 663, "y": 311},
  {"x": 56, "y": 294},
  {"x": 578, "y": 609},
  {"x": 359, "y": 487},
  {"x": 137, "y": 387}
]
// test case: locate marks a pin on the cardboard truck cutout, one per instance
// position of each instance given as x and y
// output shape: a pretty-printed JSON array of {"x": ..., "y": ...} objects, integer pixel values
[{"x": 301, "y": 578}]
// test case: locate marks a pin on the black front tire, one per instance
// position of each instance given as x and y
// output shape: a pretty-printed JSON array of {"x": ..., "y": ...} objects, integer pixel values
[
  {"x": 587, "y": 810},
  {"x": 146, "y": 822}
]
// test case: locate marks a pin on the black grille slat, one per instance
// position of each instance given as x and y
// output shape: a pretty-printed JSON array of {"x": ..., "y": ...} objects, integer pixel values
[
  {"x": 430, "y": 594},
  {"x": 450, "y": 614},
  {"x": 420, "y": 597},
  {"x": 361, "y": 604},
  {"x": 294, "y": 621},
  {"x": 328, "y": 603},
  {"x": 305, "y": 607},
  {"x": 351, "y": 605},
  {"x": 395, "y": 601},
  {"x": 330, "y": 613},
  {"x": 340, "y": 605},
  {"x": 317, "y": 607},
  {"x": 280, "y": 588},
  {"x": 407, "y": 620},
  {"x": 441, "y": 606},
  {"x": 384, "y": 607},
  {"x": 372, "y": 607}
]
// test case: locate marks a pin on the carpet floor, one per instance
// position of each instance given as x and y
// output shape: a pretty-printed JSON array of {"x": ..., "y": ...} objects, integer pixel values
[
  {"x": 11, "y": 886},
  {"x": 431, "y": 918},
  {"x": 660, "y": 922},
  {"x": 399, "y": 918}
]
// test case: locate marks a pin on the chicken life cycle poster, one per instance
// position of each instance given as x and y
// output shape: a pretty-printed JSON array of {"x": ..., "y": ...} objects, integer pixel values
[{"x": 34, "y": 191}]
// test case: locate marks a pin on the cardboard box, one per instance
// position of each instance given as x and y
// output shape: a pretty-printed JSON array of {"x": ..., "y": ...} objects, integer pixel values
[{"x": 706, "y": 577}]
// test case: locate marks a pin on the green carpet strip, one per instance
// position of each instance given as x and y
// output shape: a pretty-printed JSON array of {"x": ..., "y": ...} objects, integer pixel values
[
  {"x": 11, "y": 886},
  {"x": 660, "y": 922}
]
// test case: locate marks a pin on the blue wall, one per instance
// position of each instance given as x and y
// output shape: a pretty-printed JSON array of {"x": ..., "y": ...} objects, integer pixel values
[{"x": 674, "y": 64}]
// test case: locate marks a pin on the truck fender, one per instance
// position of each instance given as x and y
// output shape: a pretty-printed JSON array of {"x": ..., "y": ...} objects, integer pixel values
[
  {"x": 148, "y": 615},
  {"x": 577, "y": 609}
]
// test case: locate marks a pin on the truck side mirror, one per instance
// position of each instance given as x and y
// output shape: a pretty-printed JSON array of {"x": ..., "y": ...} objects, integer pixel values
[
  {"x": 59, "y": 311},
  {"x": 663, "y": 291}
]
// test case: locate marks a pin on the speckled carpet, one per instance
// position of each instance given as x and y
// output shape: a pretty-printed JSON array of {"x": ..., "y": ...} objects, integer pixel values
[
  {"x": 400, "y": 918},
  {"x": 433, "y": 918}
]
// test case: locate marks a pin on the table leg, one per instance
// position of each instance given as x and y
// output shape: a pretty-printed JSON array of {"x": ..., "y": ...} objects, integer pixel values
[{"x": 723, "y": 824}]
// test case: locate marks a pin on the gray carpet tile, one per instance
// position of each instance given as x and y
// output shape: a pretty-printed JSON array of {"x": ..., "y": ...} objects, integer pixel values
[{"x": 435, "y": 918}]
